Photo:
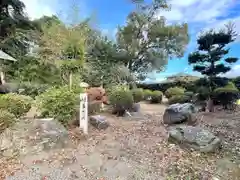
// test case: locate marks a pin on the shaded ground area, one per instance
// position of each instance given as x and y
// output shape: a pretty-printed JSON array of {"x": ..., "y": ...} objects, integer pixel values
[{"x": 135, "y": 150}]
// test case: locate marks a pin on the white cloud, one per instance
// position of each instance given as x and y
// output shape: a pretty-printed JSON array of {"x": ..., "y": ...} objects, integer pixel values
[
  {"x": 234, "y": 72},
  {"x": 201, "y": 14},
  {"x": 221, "y": 23},
  {"x": 173, "y": 15},
  {"x": 152, "y": 81},
  {"x": 184, "y": 3},
  {"x": 198, "y": 11},
  {"x": 38, "y": 8}
]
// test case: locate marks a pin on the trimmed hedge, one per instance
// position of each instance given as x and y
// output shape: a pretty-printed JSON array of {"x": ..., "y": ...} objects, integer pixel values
[
  {"x": 226, "y": 95},
  {"x": 156, "y": 97},
  {"x": 179, "y": 99},
  {"x": 174, "y": 92},
  {"x": 121, "y": 98},
  {"x": 137, "y": 94},
  {"x": 147, "y": 94}
]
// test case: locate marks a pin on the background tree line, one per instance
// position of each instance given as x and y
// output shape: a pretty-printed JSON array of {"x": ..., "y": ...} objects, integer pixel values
[{"x": 50, "y": 51}]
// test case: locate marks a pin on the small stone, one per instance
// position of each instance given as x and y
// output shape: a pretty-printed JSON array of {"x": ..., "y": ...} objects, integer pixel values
[{"x": 99, "y": 122}]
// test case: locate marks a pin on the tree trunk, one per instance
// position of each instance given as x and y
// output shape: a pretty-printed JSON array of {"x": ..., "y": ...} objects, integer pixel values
[
  {"x": 210, "y": 106},
  {"x": 70, "y": 80},
  {"x": 2, "y": 78},
  {"x": 102, "y": 105}
]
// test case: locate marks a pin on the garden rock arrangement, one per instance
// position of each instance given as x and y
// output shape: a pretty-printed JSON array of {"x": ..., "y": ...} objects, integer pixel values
[
  {"x": 33, "y": 136},
  {"x": 179, "y": 113},
  {"x": 194, "y": 137}
]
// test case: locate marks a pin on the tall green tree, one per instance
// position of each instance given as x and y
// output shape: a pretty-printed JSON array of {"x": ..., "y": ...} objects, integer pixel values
[
  {"x": 64, "y": 46},
  {"x": 147, "y": 41},
  {"x": 212, "y": 47},
  {"x": 31, "y": 69},
  {"x": 15, "y": 27},
  {"x": 105, "y": 65}
]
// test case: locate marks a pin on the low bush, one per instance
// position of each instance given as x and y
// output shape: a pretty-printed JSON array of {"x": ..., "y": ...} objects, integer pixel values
[
  {"x": 77, "y": 89},
  {"x": 226, "y": 95},
  {"x": 121, "y": 99},
  {"x": 7, "y": 120},
  {"x": 147, "y": 94},
  {"x": 156, "y": 97},
  {"x": 31, "y": 89},
  {"x": 137, "y": 95},
  {"x": 16, "y": 104},
  {"x": 179, "y": 99},
  {"x": 174, "y": 92},
  {"x": 59, "y": 103}
]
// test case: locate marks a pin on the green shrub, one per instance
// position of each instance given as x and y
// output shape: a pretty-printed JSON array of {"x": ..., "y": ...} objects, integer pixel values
[
  {"x": 174, "y": 91},
  {"x": 147, "y": 94},
  {"x": 226, "y": 95},
  {"x": 59, "y": 103},
  {"x": 31, "y": 89},
  {"x": 179, "y": 99},
  {"x": 77, "y": 89},
  {"x": 121, "y": 99},
  {"x": 203, "y": 93},
  {"x": 156, "y": 97},
  {"x": 7, "y": 120},
  {"x": 16, "y": 104},
  {"x": 137, "y": 95}
]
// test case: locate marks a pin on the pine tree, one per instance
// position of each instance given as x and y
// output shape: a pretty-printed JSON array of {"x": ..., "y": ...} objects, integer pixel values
[
  {"x": 212, "y": 47},
  {"x": 209, "y": 58}
]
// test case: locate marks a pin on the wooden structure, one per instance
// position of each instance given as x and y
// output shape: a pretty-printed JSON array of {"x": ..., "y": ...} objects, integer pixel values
[{"x": 4, "y": 56}]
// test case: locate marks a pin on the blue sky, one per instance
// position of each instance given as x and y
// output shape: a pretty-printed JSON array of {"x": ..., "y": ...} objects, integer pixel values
[{"x": 108, "y": 14}]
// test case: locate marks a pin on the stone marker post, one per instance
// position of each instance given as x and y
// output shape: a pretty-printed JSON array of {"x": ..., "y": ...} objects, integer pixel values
[{"x": 83, "y": 111}]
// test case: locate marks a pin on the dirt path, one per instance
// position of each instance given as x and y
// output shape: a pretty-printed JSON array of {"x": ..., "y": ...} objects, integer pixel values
[{"x": 127, "y": 150}]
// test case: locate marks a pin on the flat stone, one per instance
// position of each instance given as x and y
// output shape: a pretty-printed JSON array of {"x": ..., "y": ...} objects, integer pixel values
[{"x": 194, "y": 137}]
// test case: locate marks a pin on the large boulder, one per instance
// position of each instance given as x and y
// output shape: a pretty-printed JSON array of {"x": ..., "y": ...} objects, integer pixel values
[
  {"x": 180, "y": 113},
  {"x": 194, "y": 137},
  {"x": 33, "y": 136}
]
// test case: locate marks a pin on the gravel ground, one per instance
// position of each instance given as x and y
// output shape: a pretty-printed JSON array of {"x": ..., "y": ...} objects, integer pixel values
[{"x": 132, "y": 150}]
